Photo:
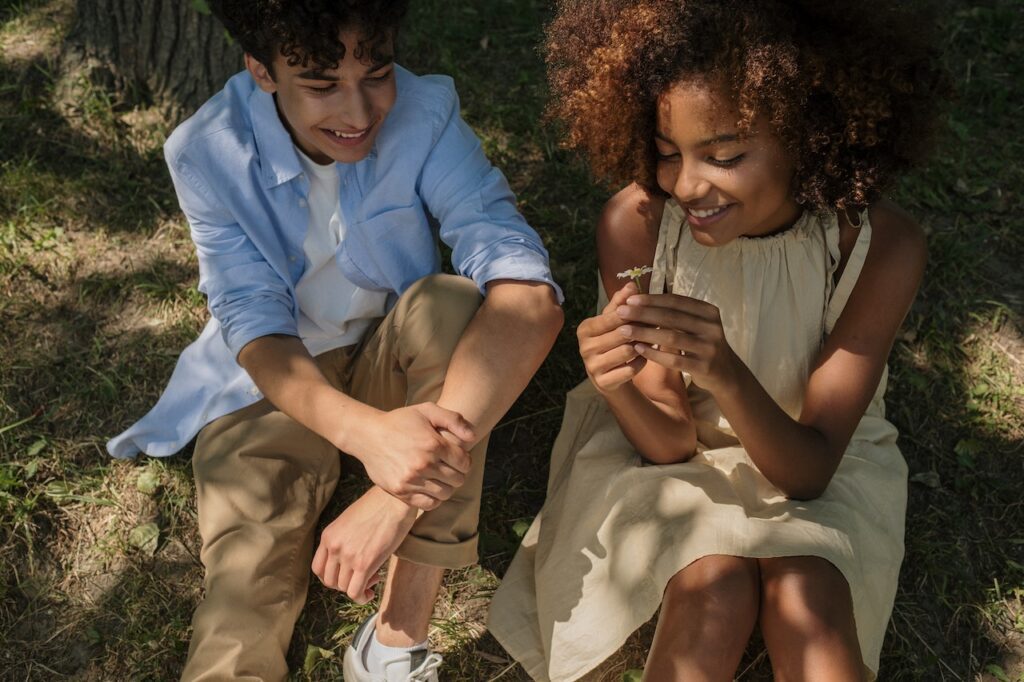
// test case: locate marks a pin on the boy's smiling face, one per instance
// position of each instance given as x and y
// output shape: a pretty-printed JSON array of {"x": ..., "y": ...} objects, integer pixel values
[{"x": 332, "y": 114}]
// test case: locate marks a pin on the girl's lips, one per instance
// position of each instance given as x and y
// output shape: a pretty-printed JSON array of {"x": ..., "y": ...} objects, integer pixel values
[
  {"x": 347, "y": 141},
  {"x": 704, "y": 222}
]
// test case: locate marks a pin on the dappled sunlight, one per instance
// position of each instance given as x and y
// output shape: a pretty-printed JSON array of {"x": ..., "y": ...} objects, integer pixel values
[{"x": 35, "y": 34}]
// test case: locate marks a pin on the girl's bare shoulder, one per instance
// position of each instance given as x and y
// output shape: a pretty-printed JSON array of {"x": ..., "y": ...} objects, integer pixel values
[
  {"x": 632, "y": 212},
  {"x": 898, "y": 244},
  {"x": 627, "y": 233}
]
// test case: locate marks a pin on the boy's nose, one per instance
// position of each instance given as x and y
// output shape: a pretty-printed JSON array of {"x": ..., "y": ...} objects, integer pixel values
[{"x": 355, "y": 112}]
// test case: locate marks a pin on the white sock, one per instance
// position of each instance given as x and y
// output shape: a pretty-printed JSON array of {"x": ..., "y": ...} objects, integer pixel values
[{"x": 375, "y": 655}]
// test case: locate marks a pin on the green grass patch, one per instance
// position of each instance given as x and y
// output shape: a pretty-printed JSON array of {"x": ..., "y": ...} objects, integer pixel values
[{"x": 99, "y": 569}]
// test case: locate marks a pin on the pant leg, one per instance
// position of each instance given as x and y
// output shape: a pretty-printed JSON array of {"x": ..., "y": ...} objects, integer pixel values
[
  {"x": 405, "y": 362},
  {"x": 262, "y": 481}
]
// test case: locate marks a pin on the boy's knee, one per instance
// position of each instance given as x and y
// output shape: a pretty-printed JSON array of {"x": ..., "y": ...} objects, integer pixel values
[
  {"x": 438, "y": 308},
  {"x": 448, "y": 292}
]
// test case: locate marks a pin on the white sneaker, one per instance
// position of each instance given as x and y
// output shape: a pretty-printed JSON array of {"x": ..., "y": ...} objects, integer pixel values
[{"x": 422, "y": 664}]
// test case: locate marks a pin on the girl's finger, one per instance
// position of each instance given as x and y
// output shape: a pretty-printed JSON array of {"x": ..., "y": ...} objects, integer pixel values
[
  {"x": 668, "y": 318},
  {"x": 667, "y": 338},
  {"x": 680, "y": 363},
  {"x": 596, "y": 345},
  {"x": 602, "y": 324},
  {"x": 686, "y": 304},
  {"x": 620, "y": 296},
  {"x": 606, "y": 362},
  {"x": 621, "y": 375}
]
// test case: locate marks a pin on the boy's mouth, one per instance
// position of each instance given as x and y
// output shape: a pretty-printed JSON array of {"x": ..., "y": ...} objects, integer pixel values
[{"x": 347, "y": 138}]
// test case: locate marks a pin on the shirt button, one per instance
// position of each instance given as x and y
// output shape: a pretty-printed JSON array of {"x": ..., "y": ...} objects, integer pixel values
[
  {"x": 292, "y": 258},
  {"x": 302, "y": 203}
]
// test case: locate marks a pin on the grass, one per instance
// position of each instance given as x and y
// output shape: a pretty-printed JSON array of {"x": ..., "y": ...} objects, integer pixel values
[{"x": 98, "y": 559}]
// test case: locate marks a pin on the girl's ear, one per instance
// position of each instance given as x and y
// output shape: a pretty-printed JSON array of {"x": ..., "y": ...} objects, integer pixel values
[{"x": 260, "y": 74}]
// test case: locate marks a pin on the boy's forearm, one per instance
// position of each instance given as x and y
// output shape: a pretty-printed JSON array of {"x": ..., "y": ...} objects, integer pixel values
[
  {"x": 290, "y": 379},
  {"x": 500, "y": 351}
]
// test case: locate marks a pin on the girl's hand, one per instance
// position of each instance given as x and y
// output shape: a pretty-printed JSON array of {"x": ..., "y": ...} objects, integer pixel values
[
  {"x": 687, "y": 332},
  {"x": 610, "y": 357}
]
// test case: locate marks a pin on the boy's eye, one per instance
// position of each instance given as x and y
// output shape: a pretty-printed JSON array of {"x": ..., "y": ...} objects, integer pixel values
[
  {"x": 381, "y": 77},
  {"x": 320, "y": 90}
]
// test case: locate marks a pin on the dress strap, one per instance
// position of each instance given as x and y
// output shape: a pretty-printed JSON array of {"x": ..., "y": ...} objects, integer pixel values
[
  {"x": 666, "y": 255},
  {"x": 854, "y": 264}
]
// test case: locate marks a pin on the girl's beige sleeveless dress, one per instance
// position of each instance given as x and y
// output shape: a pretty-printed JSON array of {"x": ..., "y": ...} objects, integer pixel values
[{"x": 593, "y": 566}]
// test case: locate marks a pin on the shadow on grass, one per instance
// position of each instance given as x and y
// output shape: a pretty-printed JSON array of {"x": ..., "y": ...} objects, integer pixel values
[{"x": 87, "y": 358}]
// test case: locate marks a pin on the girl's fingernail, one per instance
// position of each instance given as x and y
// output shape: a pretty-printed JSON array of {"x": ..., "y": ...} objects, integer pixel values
[
  {"x": 640, "y": 347},
  {"x": 633, "y": 300},
  {"x": 626, "y": 330},
  {"x": 622, "y": 310}
]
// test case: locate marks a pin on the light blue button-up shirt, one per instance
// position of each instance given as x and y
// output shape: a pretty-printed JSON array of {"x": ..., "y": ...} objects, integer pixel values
[{"x": 242, "y": 188}]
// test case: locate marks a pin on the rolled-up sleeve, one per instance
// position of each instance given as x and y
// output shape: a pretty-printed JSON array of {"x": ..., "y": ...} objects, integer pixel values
[
  {"x": 245, "y": 294},
  {"x": 476, "y": 210}
]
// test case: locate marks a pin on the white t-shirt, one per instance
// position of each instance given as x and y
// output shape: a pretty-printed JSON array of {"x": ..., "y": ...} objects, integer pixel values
[{"x": 333, "y": 312}]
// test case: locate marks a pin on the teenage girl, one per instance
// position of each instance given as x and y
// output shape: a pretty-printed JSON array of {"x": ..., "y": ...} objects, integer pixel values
[{"x": 729, "y": 461}]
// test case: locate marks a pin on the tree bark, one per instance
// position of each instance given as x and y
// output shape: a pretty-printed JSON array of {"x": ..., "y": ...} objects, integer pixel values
[{"x": 168, "y": 53}]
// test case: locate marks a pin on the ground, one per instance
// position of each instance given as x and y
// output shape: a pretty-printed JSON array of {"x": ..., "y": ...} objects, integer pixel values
[{"x": 98, "y": 559}]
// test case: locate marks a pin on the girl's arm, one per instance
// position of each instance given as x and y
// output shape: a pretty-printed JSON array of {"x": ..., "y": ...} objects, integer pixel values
[
  {"x": 649, "y": 401},
  {"x": 800, "y": 456}
]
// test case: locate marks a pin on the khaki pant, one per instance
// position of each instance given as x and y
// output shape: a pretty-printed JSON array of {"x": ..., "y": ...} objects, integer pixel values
[{"x": 262, "y": 481}]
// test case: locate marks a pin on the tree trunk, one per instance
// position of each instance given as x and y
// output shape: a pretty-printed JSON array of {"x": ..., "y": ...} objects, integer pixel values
[{"x": 169, "y": 53}]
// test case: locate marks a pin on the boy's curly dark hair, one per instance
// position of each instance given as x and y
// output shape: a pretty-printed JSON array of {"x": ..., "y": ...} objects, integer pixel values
[
  {"x": 306, "y": 32},
  {"x": 852, "y": 88}
]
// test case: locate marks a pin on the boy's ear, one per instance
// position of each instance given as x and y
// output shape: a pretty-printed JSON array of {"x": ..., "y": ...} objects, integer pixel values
[{"x": 260, "y": 74}]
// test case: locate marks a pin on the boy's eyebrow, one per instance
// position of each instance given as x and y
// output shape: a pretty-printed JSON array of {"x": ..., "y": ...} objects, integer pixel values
[{"x": 318, "y": 75}]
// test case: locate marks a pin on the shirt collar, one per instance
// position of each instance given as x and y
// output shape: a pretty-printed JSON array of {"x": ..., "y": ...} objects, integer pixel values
[{"x": 278, "y": 161}]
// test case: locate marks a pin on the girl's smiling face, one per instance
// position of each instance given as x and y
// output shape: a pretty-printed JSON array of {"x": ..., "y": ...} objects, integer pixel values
[{"x": 730, "y": 183}]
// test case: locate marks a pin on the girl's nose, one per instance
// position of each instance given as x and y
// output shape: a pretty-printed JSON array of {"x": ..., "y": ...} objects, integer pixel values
[{"x": 690, "y": 186}]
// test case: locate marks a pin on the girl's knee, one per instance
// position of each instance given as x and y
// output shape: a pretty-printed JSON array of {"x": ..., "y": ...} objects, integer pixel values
[
  {"x": 808, "y": 593},
  {"x": 718, "y": 582}
]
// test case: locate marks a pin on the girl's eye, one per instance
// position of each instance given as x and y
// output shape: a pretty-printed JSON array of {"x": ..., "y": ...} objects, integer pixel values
[
  {"x": 661, "y": 156},
  {"x": 726, "y": 163}
]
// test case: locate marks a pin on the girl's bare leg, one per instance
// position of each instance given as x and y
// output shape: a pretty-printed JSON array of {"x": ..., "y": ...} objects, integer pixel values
[
  {"x": 707, "y": 615},
  {"x": 807, "y": 621}
]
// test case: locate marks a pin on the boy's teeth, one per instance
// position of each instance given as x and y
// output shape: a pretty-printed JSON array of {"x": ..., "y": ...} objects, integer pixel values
[{"x": 700, "y": 213}]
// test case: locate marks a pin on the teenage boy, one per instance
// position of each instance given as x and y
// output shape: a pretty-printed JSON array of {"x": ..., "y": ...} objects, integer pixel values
[{"x": 307, "y": 182}]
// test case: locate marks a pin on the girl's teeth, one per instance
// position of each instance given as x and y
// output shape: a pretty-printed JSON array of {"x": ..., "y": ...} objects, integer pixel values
[
  {"x": 338, "y": 133},
  {"x": 698, "y": 213}
]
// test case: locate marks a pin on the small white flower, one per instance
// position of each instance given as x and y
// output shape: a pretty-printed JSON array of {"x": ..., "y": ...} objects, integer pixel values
[{"x": 635, "y": 274}]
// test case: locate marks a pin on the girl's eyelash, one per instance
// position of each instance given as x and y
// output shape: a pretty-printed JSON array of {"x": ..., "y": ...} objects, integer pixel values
[{"x": 726, "y": 163}]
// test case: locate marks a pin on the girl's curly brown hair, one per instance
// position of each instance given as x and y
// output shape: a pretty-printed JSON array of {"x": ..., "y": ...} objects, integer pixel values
[
  {"x": 852, "y": 89},
  {"x": 306, "y": 32}
]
